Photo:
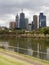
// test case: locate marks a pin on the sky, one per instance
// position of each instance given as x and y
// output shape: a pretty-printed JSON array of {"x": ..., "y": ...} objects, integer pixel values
[{"x": 10, "y": 8}]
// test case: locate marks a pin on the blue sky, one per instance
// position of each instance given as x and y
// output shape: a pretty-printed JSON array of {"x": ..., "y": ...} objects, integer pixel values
[{"x": 9, "y": 9}]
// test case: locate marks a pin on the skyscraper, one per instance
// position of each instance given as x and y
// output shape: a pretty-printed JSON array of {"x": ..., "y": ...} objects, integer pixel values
[
  {"x": 32, "y": 26},
  {"x": 17, "y": 21},
  {"x": 42, "y": 20},
  {"x": 26, "y": 23},
  {"x": 35, "y": 21},
  {"x": 29, "y": 27},
  {"x": 22, "y": 20}
]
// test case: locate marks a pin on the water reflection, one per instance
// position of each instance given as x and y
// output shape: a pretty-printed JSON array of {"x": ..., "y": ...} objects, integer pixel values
[{"x": 33, "y": 47}]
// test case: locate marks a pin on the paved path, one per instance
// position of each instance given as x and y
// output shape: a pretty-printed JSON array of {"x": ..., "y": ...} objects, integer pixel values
[{"x": 20, "y": 58}]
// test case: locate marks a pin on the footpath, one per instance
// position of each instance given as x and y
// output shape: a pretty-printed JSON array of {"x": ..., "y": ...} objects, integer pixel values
[{"x": 20, "y": 57}]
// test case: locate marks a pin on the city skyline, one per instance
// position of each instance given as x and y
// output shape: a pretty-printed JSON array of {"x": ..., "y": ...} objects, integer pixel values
[
  {"x": 21, "y": 22},
  {"x": 10, "y": 8}
]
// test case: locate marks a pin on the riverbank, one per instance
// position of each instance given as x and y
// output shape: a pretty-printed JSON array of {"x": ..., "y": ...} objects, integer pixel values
[
  {"x": 13, "y": 58},
  {"x": 24, "y": 35}
]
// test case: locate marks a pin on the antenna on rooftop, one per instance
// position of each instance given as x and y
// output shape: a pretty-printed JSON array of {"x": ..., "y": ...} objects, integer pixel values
[{"x": 22, "y": 10}]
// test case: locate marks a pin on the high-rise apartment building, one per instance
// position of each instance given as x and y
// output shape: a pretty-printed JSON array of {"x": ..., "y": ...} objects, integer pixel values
[
  {"x": 35, "y": 21},
  {"x": 12, "y": 25},
  {"x": 42, "y": 20}
]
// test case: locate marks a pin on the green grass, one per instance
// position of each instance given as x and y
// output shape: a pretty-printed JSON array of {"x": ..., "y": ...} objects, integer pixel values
[{"x": 8, "y": 61}]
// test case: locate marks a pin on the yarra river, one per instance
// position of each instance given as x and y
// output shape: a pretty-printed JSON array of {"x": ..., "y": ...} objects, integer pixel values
[{"x": 34, "y": 47}]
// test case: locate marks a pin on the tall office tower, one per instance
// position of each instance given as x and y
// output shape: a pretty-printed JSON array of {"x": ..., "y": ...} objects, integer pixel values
[
  {"x": 42, "y": 20},
  {"x": 29, "y": 27},
  {"x": 26, "y": 23},
  {"x": 32, "y": 27},
  {"x": 35, "y": 21},
  {"x": 22, "y": 20},
  {"x": 17, "y": 21},
  {"x": 12, "y": 25}
]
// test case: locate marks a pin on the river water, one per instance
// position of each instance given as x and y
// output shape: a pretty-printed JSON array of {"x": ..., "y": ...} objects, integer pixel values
[{"x": 35, "y": 47}]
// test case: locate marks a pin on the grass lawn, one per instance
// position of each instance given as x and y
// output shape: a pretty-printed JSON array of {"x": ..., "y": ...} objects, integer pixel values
[
  {"x": 4, "y": 60},
  {"x": 7, "y": 60}
]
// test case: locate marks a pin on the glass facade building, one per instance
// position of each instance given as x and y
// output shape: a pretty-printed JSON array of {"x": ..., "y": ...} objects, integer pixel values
[
  {"x": 22, "y": 21},
  {"x": 42, "y": 20}
]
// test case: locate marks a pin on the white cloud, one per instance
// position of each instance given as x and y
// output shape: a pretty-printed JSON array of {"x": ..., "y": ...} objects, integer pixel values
[
  {"x": 9, "y": 9},
  {"x": 4, "y": 21}
]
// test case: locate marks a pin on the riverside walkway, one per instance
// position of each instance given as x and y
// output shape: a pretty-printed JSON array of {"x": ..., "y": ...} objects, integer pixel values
[{"x": 17, "y": 56}]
